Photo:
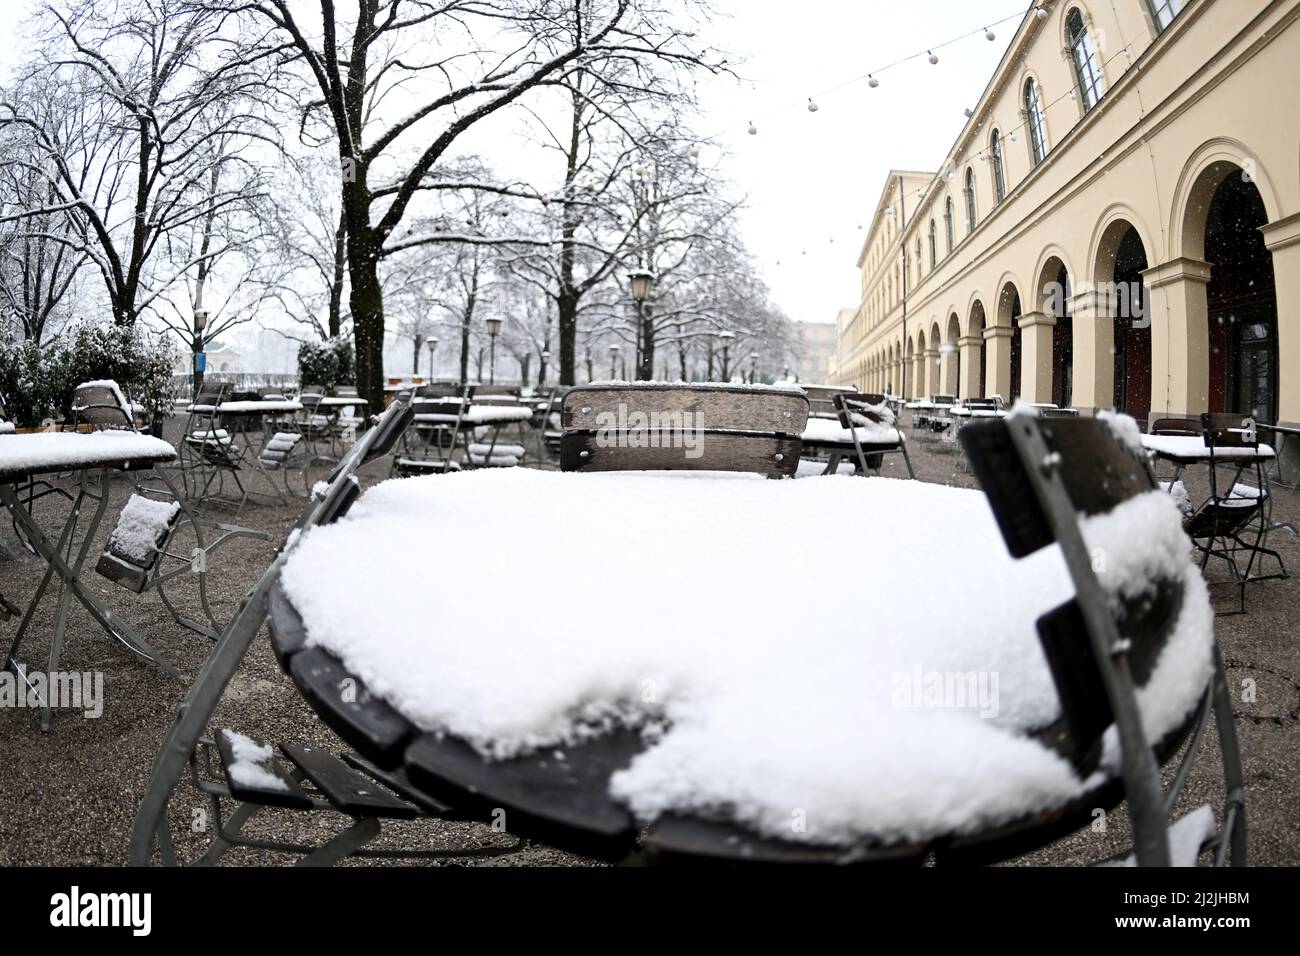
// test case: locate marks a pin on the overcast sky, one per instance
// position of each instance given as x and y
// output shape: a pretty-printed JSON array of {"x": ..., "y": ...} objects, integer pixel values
[{"x": 812, "y": 179}]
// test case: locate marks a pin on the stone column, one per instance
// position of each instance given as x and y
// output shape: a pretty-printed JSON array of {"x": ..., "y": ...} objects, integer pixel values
[
  {"x": 949, "y": 364},
  {"x": 931, "y": 373},
  {"x": 968, "y": 350},
  {"x": 997, "y": 343},
  {"x": 1094, "y": 349},
  {"x": 1180, "y": 336},
  {"x": 1036, "y": 356},
  {"x": 1283, "y": 239}
]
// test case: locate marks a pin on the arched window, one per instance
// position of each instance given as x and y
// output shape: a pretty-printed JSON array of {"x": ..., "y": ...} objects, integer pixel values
[
  {"x": 918, "y": 260},
  {"x": 1087, "y": 67},
  {"x": 1034, "y": 120},
  {"x": 934, "y": 246},
  {"x": 999, "y": 174},
  {"x": 971, "y": 221},
  {"x": 947, "y": 222},
  {"x": 1164, "y": 11}
]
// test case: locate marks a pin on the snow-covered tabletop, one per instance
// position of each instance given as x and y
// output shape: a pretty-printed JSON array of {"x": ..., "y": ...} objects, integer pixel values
[
  {"x": 264, "y": 406},
  {"x": 6, "y": 427},
  {"x": 335, "y": 401},
  {"x": 758, "y": 687},
  {"x": 479, "y": 415},
  {"x": 1192, "y": 448},
  {"x": 61, "y": 451},
  {"x": 829, "y": 431},
  {"x": 962, "y": 411}
]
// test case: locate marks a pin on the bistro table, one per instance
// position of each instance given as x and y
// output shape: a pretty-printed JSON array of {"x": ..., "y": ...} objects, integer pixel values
[
  {"x": 701, "y": 680},
  {"x": 22, "y": 458},
  {"x": 1184, "y": 450}
]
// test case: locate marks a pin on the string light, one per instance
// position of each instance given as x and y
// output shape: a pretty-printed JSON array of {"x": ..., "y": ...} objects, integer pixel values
[
  {"x": 753, "y": 130},
  {"x": 872, "y": 81},
  {"x": 812, "y": 107},
  {"x": 934, "y": 58},
  {"x": 989, "y": 35}
]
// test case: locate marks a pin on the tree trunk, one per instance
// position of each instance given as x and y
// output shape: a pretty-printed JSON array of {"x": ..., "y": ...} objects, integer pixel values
[
  {"x": 568, "y": 328},
  {"x": 416, "y": 340},
  {"x": 367, "y": 303},
  {"x": 336, "y": 284}
]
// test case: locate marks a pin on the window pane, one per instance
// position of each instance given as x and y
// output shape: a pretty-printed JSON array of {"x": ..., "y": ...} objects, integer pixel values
[
  {"x": 1164, "y": 11},
  {"x": 1037, "y": 128}
]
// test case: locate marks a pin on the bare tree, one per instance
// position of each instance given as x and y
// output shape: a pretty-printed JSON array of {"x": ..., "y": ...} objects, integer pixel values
[
  {"x": 162, "y": 100},
  {"x": 459, "y": 61}
]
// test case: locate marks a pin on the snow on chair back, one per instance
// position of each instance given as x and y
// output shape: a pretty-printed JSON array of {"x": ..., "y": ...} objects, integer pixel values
[
  {"x": 101, "y": 405},
  {"x": 1039, "y": 474},
  {"x": 653, "y": 427},
  {"x": 136, "y": 543}
]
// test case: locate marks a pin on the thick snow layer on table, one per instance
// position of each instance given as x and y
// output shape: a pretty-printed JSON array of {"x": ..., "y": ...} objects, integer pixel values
[
  {"x": 730, "y": 386},
  {"x": 1194, "y": 447},
  {"x": 6, "y": 427},
  {"x": 480, "y": 415},
  {"x": 56, "y": 451},
  {"x": 829, "y": 430},
  {"x": 252, "y": 763},
  {"x": 141, "y": 524},
  {"x": 267, "y": 406},
  {"x": 764, "y": 684}
]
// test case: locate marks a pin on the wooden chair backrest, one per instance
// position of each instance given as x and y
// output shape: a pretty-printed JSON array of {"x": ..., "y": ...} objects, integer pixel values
[
  {"x": 641, "y": 427},
  {"x": 100, "y": 406}
]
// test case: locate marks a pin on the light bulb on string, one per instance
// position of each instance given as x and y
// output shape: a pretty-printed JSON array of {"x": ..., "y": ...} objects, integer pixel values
[
  {"x": 812, "y": 107},
  {"x": 934, "y": 57},
  {"x": 989, "y": 35},
  {"x": 872, "y": 81},
  {"x": 1041, "y": 13},
  {"x": 753, "y": 130},
  {"x": 695, "y": 152}
]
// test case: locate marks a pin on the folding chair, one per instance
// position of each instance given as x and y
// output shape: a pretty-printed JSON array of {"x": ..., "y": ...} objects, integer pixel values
[
  {"x": 869, "y": 422},
  {"x": 137, "y": 555},
  {"x": 230, "y": 766},
  {"x": 1229, "y": 517},
  {"x": 428, "y": 446},
  {"x": 1040, "y": 475}
]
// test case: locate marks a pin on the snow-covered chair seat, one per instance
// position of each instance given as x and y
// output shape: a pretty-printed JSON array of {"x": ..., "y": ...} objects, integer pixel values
[
  {"x": 277, "y": 451},
  {"x": 406, "y": 467},
  {"x": 137, "y": 541},
  {"x": 487, "y": 455},
  {"x": 659, "y": 426}
]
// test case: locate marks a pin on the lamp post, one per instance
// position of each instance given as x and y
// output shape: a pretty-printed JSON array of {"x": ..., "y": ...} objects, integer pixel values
[
  {"x": 200, "y": 363},
  {"x": 433, "y": 345},
  {"x": 640, "y": 281},
  {"x": 493, "y": 330},
  {"x": 546, "y": 360},
  {"x": 725, "y": 338},
  {"x": 753, "y": 366},
  {"x": 613, "y": 362}
]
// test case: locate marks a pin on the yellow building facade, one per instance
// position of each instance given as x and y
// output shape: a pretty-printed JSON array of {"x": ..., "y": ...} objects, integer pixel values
[{"x": 1117, "y": 226}]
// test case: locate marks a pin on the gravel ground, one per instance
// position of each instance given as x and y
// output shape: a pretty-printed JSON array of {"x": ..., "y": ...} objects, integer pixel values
[{"x": 68, "y": 797}]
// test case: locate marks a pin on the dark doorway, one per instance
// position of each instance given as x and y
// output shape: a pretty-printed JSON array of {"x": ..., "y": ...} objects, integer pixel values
[
  {"x": 1015, "y": 347},
  {"x": 1242, "y": 303},
  {"x": 1063, "y": 342},
  {"x": 1132, "y": 330}
]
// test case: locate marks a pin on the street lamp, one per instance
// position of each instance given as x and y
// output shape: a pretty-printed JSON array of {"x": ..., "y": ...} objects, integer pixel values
[
  {"x": 493, "y": 330},
  {"x": 433, "y": 345},
  {"x": 725, "y": 338},
  {"x": 613, "y": 362},
  {"x": 639, "y": 282},
  {"x": 753, "y": 366}
]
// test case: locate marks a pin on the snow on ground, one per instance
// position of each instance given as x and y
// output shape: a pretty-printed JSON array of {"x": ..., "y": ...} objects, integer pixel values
[{"x": 783, "y": 690}]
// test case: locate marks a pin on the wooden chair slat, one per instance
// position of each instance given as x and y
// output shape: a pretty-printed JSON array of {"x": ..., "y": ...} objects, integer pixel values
[
  {"x": 776, "y": 456},
  {"x": 728, "y": 409}
]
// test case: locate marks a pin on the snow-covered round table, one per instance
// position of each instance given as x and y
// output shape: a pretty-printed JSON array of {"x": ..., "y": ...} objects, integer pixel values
[{"x": 679, "y": 666}]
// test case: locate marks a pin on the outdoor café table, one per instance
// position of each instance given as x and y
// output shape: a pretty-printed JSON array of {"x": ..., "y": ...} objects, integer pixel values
[
  {"x": 23, "y": 457},
  {"x": 331, "y": 407},
  {"x": 1284, "y": 434},
  {"x": 1184, "y": 450},
  {"x": 692, "y": 663}
]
